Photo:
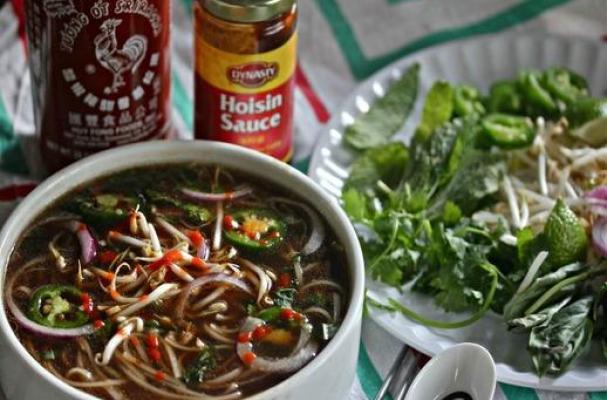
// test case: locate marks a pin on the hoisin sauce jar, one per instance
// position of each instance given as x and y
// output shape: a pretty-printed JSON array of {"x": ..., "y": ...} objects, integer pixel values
[{"x": 244, "y": 73}]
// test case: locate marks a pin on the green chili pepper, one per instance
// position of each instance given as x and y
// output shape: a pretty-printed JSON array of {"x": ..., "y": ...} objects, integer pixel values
[
  {"x": 504, "y": 97},
  {"x": 467, "y": 101},
  {"x": 193, "y": 212},
  {"x": 57, "y": 306},
  {"x": 254, "y": 229},
  {"x": 538, "y": 98},
  {"x": 103, "y": 210},
  {"x": 585, "y": 110},
  {"x": 564, "y": 85},
  {"x": 508, "y": 131}
]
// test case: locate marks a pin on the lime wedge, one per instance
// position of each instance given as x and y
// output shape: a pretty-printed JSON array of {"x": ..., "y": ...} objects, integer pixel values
[
  {"x": 589, "y": 119},
  {"x": 567, "y": 239},
  {"x": 593, "y": 132}
]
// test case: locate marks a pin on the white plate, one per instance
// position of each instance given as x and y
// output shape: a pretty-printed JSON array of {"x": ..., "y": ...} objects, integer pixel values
[{"x": 479, "y": 62}]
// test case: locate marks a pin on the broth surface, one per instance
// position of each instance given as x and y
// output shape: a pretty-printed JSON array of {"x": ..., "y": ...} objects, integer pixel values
[{"x": 179, "y": 281}]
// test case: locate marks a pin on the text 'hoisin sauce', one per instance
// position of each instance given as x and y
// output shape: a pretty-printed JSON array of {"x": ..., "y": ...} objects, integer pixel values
[{"x": 245, "y": 66}]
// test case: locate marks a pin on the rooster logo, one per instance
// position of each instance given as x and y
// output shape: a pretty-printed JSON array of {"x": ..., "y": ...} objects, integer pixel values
[{"x": 118, "y": 60}]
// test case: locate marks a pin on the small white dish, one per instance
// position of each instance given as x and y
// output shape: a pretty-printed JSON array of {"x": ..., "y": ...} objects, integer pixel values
[{"x": 462, "y": 372}]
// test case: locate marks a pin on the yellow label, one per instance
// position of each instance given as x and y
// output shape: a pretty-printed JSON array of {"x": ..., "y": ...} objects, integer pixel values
[{"x": 246, "y": 73}]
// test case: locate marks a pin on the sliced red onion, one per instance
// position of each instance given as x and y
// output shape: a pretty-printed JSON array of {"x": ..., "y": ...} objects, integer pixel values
[
  {"x": 203, "y": 250},
  {"x": 207, "y": 280},
  {"x": 240, "y": 191},
  {"x": 599, "y": 236},
  {"x": 41, "y": 329},
  {"x": 88, "y": 244},
  {"x": 317, "y": 231},
  {"x": 597, "y": 198},
  {"x": 599, "y": 192}
]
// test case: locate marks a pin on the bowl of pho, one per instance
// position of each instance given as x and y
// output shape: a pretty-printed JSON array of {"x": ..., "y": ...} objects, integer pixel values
[{"x": 179, "y": 270}]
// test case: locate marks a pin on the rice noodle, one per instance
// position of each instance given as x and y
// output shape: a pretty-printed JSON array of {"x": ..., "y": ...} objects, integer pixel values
[
  {"x": 217, "y": 335},
  {"x": 180, "y": 272},
  {"x": 160, "y": 292},
  {"x": 336, "y": 306},
  {"x": 209, "y": 298},
  {"x": 227, "y": 377},
  {"x": 114, "y": 292},
  {"x": 122, "y": 334},
  {"x": 144, "y": 225},
  {"x": 322, "y": 282},
  {"x": 542, "y": 174},
  {"x": 299, "y": 278},
  {"x": 265, "y": 283},
  {"x": 587, "y": 159},
  {"x": 172, "y": 360},
  {"x": 512, "y": 202},
  {"x": 81, "y": 372},
  {"x": 532, "y": 272},
  {"x": 156, "y": 247},
  {"x": 217, "y": 230},
  {"x": 140, "y": 380},
  {"x": 176, "y": 233},
  {"x": 319, "y": 311},
  {"x": 114, "y": 236}
]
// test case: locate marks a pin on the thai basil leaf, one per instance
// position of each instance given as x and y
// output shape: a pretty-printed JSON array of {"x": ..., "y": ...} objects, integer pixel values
[
  {"x": 387, "y": 115},
  {"x": 554, "y": 346},
  {"x": 385, "y": 163},
  {"x": 521, "y": 301},
  {"x": 284, "y": 297},
  {"x": 438, "y": 109},
  {"x": 539, "y": 318},
  {"x": 478, "y": 176},
  {"x": 196, "y": 371}
]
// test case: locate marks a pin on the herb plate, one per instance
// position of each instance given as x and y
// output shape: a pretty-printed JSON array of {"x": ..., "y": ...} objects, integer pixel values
[{"x": 480, "y": 62}]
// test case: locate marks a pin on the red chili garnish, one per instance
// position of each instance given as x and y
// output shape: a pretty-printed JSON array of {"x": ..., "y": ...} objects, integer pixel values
[
  {"x": 155, "y": 355},
  {"x": 114, "y": 294},
  {"x": 107, "y": 275},
  {"x": 287, "y": 314},
  {"x": 284, "y": 280},
  {"x": 151, "y": 341},
  {"x": 87, "y": 303},
  {"x": 228, "y": 222},
  {"x": 297, "y": 316},
  {"x": 244, "y": 337},
  {"x": 199, "y": 263},
  {"x": 98, "y": 324},
  {"x": 261, "y": 332},
  {"x": 160, "y": 376},
  {"x": 172, "y": 255},
  {"x": 249, "y": 357},
  {"x": 168, "y": 257},
  {"x": 143, "y": 297},
  {"x": 195, "y": 237},
  {"x": 107, "y": 256}
]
